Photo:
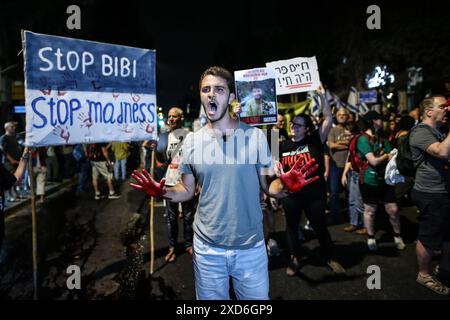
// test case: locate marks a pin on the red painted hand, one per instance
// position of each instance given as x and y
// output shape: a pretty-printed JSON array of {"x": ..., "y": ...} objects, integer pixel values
[
  {"x": 297, "y": 178},
  {"x": 147, "y": 184}
]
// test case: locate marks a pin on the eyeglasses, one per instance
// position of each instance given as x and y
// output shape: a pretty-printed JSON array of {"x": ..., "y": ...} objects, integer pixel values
[{"x": 294, "y": 124}]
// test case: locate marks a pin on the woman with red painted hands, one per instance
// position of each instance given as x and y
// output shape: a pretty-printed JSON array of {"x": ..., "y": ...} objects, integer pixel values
[{"x": 305, "y": 144}]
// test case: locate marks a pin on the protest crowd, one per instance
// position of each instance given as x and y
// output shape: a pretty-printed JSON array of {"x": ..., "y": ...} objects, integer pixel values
[
  {"x": 358, "y": 176},
  {"x": 226, "y": 170}
]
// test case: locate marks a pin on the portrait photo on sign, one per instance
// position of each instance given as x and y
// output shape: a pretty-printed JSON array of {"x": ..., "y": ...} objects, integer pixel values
[{"x": 256, "y": 92}]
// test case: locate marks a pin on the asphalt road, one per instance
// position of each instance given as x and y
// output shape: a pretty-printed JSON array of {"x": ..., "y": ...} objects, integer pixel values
[{"x": 77, "y": 230}]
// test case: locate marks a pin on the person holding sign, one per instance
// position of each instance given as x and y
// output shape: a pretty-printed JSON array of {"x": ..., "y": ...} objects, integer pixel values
[
  {"x": 7, "y": 181},
  {"x": 305, "y": 144},
  {"x": 228, "y": 229}
]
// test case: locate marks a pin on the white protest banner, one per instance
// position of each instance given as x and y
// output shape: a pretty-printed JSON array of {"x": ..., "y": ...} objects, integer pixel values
[
  {"x": 296, "y": 75},
  {"x": 256, "y": 92},
  {"x": 81, "y": 91}
]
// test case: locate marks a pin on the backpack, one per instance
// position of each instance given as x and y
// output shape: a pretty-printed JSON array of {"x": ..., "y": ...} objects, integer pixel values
[
  {"x": 358, "y": 165},
  {"x": 404, "y": 161}
]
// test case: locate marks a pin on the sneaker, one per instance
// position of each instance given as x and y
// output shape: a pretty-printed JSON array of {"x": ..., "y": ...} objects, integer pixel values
[
  {"x": 308, "y": 226},
  {"x": 98, "y": 197},
  {"x": 399, "y": 243},
  {"x": 372, "y": 244},
  {"x": 336, "y": 266},
  {"x": 272, "y": 248},
  {"x": 293, "y": 267},
  {"x": 113, "y": 196}
]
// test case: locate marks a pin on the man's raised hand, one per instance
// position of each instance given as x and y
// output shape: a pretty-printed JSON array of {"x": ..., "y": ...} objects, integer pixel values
[
  {"x": 297, "y": 178},
  {"x": 147, "y": 184}
]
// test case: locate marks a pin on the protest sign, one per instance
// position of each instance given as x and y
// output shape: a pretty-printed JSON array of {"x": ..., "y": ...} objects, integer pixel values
[
  {"x": 81, "y": 91},
  {"x": 256, "y": 92},
  {"x": 296, "y": 75}
]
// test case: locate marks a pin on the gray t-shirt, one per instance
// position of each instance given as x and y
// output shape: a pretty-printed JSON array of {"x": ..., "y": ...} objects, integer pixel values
[
  {"x": 228, "y": 213},
  {"x": 339, "y": 134},
  {"x": 432, "y": 175}
]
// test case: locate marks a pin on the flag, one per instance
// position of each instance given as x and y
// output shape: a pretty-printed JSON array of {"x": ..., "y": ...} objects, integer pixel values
[
  {"x": 363, "y": 109},
  {"x": 353, "y": 103},
  {"x": 338, "y": 102},
  {"x": 315, "y": 105},
  {"x": 330, "y": 98}
]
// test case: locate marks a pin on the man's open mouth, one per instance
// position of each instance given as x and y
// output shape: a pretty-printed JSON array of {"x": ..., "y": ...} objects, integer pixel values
[{"x": 212, "y": 108}]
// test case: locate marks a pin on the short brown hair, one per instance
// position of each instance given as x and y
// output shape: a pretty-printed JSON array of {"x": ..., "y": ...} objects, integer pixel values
[
  {"x": 428, "y": 102},
  {"x": 218, "y": 72}
]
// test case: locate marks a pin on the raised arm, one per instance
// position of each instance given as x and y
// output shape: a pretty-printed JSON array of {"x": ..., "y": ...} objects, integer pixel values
[
  {"x": 325, "y": 128},
  {"x": 440, "y": 150}
]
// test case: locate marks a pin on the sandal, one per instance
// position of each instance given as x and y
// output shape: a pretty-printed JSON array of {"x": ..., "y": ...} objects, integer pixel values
[
  {"x": 433, "y": 284},
  {"x": 436, "y": 270},
  {"x": 170, "y": 257}
]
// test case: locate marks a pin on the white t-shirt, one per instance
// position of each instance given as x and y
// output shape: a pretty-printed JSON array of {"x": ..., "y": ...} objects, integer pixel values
[{"x": 173, "y": 176}]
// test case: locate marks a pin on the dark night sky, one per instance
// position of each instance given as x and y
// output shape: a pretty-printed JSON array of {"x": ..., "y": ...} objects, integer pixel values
[{"x": 189, "y": 36}]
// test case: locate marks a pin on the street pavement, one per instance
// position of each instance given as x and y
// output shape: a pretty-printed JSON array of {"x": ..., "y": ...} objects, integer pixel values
[{"x": 78, "y": 230}]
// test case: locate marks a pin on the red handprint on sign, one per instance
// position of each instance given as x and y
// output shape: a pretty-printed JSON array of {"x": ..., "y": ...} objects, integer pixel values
[
  {"x": 147, "y": 127},
  {"x": 85, "y": 119},
  {"x": 62, "y": 133}
]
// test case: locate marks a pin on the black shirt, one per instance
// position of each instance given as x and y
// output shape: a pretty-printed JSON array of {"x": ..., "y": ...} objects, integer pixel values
[
  {"x": 311, "y": 147},
  {"x": 10, "y": 146},
  {"x": 95, "y": 152}
]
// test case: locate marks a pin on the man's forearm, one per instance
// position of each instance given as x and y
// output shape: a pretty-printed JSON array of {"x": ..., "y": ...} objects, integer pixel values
[
  {"x": 335, "y": 146},
  {"x": 20, "y": 168},
  {"x": 105, "y": 154},
  {"x": 11, "y": 159},
  {"x": 347, "y": 168},
  {"x": 277, "y": 190},
  {"x": 179, "y": 193},
  {"x": 445, "y": 147}
]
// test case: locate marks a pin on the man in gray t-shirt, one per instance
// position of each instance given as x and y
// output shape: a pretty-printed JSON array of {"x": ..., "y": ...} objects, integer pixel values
[
  {"x": 338, "y": 141},
  {"x": 432, "y": 175},
  {"x": 431, "y": 153},
  {"x": 229, "y": 160},
  {"x": 228, "y": 214}
]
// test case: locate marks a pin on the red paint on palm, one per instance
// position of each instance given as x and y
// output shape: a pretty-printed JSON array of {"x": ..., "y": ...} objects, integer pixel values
[
  {"x": 297, "y": 177},
  {"x": 147, "y": 184}
]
